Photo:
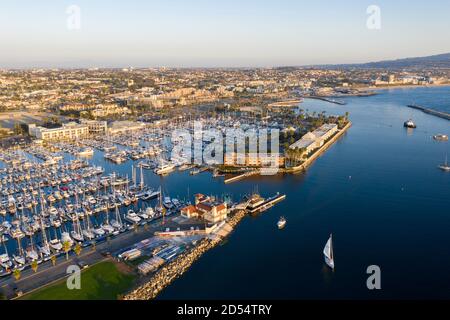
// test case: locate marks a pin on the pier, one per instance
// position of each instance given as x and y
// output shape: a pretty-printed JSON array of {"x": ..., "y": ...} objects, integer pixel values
[
  {"x": 440, "y": 114},
  {"x": 330, "y": 100},
  {"x": 267, "y": 204},
  {"x": 241, "y": 176}
]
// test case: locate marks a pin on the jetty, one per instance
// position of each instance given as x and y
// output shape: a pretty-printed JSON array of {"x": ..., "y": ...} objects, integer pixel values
[
  {"x": 440, "y": 114},
  {"x": 328, "y": 99}
]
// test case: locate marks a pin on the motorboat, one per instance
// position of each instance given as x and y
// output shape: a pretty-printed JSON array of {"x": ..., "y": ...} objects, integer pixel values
[
  {"x": 410, "y": 124},
  {"x": 20, "y": 260},
  {"x": 55, "y": 245},
  {"x": 99, "y": 232},
  {"x": 281, "y": 223},
  {"x": 132, "y": 217},
  {"x": 5, "y": 261},
  {"x": 440, "y": 137}
]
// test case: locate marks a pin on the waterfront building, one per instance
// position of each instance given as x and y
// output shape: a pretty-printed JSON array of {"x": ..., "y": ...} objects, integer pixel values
[
  {"x": 206, "y": 208},
  {"x": 96, "y": 127},
  {"x": 316, "y": 139},
  {"x": 68, "y": 131},
  {"x": 233, "y": 159}
]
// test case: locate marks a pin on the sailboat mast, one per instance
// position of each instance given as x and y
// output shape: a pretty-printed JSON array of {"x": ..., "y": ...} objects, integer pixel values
[{"x": 142, "y": 178}]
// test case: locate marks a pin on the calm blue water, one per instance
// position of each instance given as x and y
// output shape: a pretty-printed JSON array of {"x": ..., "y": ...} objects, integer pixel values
[{"x": 378, "y": 190}]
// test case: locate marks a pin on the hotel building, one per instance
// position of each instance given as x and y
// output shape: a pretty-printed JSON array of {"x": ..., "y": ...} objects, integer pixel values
[{"x": 316, "y": 139}]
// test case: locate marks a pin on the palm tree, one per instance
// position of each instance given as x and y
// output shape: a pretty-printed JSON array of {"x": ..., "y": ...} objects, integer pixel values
[
  {"x": 66, "y": 246},
  {"x": 17, "y": 274},
  {"x": 53, "y": 258},
  {"x": 77, "y": 249},
  {"x": 34, "y": 266}
]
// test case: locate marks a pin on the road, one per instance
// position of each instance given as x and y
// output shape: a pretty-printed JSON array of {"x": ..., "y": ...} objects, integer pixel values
[{"x": 47, "y": 273}]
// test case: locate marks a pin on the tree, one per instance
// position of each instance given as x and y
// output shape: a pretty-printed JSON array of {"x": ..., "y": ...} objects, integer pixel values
[
  {"x": 66, "y": 246},
  {"x": 77, "y": 249},
  {"x": 17, "y": 274},
  {"x": 34, "y": 266},
  {"x": 53, "y": 258},
  {"x": 18, "y": 129}
]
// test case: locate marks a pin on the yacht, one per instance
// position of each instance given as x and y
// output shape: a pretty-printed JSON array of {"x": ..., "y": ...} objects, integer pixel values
[
  {"x": 149, "y": 195},
  {"x": 88, "y": 234},
  {"x": 55, "y": 245},
  {"x": 87, "y": 152},
  {"x": 108, "y": 228},
  {"x": 99, "y": 232},
  {"x": 132, "y": 217},
  {"x": 45, "y": 252},
  {"x": 143, "y": 215},
  {"x": 16, "y": 233},
  {"x": 410, "y": 124},
  {"x": 20, "y": 260},
  {"x": 76, "y": 236},
  {"x": 32, "y": 255},
  {"x": 281, "y": 223},
  {"x": 164, "y": 169},
  {"x": 5, "y": 261},
  {"x": 445, "y": 167},
  {"x": 168, "y": 203},
  {"x": 150, "y": 212},
  {"x": 440, "y": 137}
]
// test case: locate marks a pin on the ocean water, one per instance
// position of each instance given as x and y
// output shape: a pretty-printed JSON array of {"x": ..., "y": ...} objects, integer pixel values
[{"x": 378, "y": 190}]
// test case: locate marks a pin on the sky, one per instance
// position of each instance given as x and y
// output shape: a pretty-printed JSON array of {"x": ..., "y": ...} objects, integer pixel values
[{"x": 213, "y": 33}]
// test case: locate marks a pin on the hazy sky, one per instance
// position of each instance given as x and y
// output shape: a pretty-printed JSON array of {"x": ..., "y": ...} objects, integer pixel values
[{"x": 210, "y": 33}]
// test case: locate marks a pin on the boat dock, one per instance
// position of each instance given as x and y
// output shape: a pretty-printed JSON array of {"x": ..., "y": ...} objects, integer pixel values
[
  {"x": 267, "y": 204},
  {"x": 440, "y": 114},
  {"x": 241, "y": 176}
]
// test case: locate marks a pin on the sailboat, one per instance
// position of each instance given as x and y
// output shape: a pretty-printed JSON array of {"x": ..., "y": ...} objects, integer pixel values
[
  {"x": 117, "y": 222},
  {"x": 106, "y": 226},
  {"x": 445, "y": 166},
  {"x": 328, "y": 253}
]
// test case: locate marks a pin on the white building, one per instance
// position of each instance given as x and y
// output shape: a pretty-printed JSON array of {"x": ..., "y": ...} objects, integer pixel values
[
  {"x": 68, "y": 131},
  {"x": 316, "y": 139}
]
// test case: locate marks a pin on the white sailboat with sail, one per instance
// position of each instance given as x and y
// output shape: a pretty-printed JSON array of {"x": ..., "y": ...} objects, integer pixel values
[{"x": 328, "y": 253}]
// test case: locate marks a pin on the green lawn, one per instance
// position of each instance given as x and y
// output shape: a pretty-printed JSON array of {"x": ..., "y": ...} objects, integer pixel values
[{"x": 102, "y": 281}]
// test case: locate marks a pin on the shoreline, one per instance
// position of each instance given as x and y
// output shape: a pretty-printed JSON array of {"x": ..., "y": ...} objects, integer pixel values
[
  {"x": 406, "y": 86},
  {"x": 169, "y": 273}
]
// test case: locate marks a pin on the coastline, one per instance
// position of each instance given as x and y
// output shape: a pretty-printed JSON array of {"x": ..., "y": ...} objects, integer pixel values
[
  {"x": 406, "y": 87},
  {"x": 165, "y": 276}
]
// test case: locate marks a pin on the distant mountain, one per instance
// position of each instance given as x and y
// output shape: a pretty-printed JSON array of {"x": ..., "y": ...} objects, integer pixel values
[{"x": 435, "y": 61}]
